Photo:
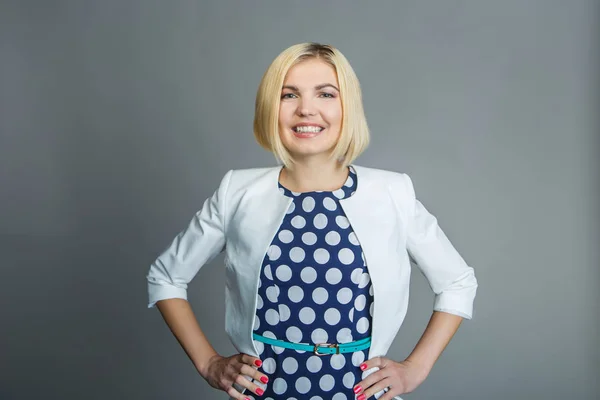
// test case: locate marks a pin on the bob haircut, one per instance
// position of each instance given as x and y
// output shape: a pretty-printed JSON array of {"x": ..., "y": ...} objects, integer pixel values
[{"x": 354, "y": 134}]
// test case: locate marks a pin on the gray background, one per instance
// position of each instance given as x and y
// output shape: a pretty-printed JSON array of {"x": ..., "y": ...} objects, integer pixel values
[{"x": 118, "y": 118}]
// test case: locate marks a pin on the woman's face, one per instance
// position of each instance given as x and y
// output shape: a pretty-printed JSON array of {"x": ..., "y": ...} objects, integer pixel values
[{"x": 310, "y": 114}]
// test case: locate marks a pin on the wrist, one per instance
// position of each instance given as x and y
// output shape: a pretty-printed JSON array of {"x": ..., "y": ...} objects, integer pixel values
[
  {"x": 203, "y": 365},
  {"x": 419, "y": 365}
]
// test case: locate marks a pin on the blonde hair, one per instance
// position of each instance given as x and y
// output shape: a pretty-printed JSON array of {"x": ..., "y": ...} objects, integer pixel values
[{"x": 354, "y": 134}]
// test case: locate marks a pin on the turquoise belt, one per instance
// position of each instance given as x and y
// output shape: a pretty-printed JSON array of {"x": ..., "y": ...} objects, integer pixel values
[{"x": 319, "y": 349}]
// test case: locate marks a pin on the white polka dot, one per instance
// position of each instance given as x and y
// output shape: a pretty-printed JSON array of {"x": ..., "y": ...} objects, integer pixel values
[
  {"x": 268, "y": 273},
  {"x": 333, "y": 238},
  {"x": 342, "y": 221},
  {"x": 332, "y": 316},
  {"x": 319, "y": 336},
  {"x": 281, "y": 190},
  {"x": 269, "y": 334},
  {"x": 277, "y": 349},
  {"x": 272, "y": 317},
  {"x": 353, "y": 239},
  {"x": 355, "y": 276},
  {"x": 274, "y": 252},
  {"x": 362, "y": 325},
  {"x": 357, "y": 358},
  {"x": 320, "y": 295},
  {"x": 316, "y": 398},
  {"x": 333, "y": 276},
  {"x": 260, "y": 347},
  {"x": 283, "y": 273},
  {"x": 329, "y": 203},
  {"x": 339, "y": 396},
  {"x": 371, "y": 309},
  {"x": 321, "y": 256},
  {"x": 351, "y": 315},
  {"x": 303, "y": 385},
  {"x": 309, "y": 238},
  {"x": 314, "y": 364},
  {"x": 296, "y": 294},
  {"x": 272, "y": 293},
  {"x": 259, "y": 282},
  {"x": 268, "y": 365},
  {"x": 360, "y": 302},
  {"x": 320, "y": 221},
  {"x": 348, "y": 380},
  {"x": 256, "y": 323},
  {"x": 326, "y": 382},
  {"x": 371, "y": 290},
  {"x": 298, "y": 222},
  {"x": 297, "y": 254},
  {"x": 364, "y": 280},
  {"x": 349, "y": 182},
  {"x": 346, "y": 256},
  {"x": 344, "y": 335},
  {"x": 259, "y": 303},
  {"x": 306, "y": 315},
  {"x": 295, "y": 193},
  {"x": 344, "y": 295},
  {"x": 284, "y": 312},
  {"x": 279, "y": 386},
  {"x": 337, "y": 361},
  {"x": 339, "y": 193},
  {"x": 285, "y": 236},
  {"x": 308, "y": 275},
  {"x": 293, "y": 334},
  {"x": 308, "y": 204},
  {"x": 290, "y": 365},
  {"x": 291, "y": 208},
  {"x": 362, "y": 255}
]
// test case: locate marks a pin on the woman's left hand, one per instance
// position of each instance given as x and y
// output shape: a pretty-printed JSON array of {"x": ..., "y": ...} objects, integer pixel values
[{"x": 396, "y": 377}]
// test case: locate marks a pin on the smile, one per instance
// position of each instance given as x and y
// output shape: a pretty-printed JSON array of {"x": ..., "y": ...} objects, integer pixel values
[{"x": 307, "y": 129}]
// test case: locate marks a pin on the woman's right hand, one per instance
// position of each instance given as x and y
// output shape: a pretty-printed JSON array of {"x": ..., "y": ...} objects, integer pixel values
[{"x": 222, "y": 372}]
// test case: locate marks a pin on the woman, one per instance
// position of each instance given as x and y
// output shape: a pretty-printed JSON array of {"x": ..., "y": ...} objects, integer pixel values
[{"x": 317, "y": 252}]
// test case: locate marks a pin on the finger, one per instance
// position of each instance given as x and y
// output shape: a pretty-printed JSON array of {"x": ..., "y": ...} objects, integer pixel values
[
  {"x": 234, "y": 394},
  {"x": 253, "y": 373},
  {"x": 370, "y": 380},
  {"x": 375, "y": 389},
  {"x": 247, "y": 359},
  {"x": 242, "y": 381}
]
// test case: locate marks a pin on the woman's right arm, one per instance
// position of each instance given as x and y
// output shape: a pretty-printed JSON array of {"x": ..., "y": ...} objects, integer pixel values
[{"x": 168, "y": 279}]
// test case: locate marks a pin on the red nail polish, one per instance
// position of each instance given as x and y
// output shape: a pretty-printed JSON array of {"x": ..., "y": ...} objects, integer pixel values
[
  {"x": 363, "y": 366},
  {"x": 264, "y": 379},
  {"x": 361, "y": 397},
  {"x": 357, "y": 389},
  {"x": 258, "y": 363},
  {"x": 259, "y": 391}
]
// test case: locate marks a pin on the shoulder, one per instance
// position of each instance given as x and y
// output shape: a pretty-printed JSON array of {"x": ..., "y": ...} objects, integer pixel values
[
  {"x": 396, "y": 181},
  {"x": 236, "y": 179}
]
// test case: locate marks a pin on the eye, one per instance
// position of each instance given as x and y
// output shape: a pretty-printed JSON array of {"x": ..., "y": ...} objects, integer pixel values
[
  {"x": 288, "y": 96},
  {"x": 327, "y": 95}
]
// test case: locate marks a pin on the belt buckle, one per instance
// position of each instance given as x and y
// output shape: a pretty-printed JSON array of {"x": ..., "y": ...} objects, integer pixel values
[{"x": 316, "y": 349}]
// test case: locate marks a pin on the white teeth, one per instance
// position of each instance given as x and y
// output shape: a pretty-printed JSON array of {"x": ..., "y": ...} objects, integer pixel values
[{"x": 307, "y": 129}]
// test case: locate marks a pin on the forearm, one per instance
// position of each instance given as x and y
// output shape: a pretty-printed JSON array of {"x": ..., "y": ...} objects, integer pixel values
[
  {"x": 180, "y": 318},
  {"x": 441, "y": 328}
]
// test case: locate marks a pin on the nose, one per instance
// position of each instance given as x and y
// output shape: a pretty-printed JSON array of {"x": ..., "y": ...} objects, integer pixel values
[{"x": 306, "y": 108}]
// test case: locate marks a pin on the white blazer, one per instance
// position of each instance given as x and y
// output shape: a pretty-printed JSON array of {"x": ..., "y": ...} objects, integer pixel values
[{"x": 244, "y": 214}]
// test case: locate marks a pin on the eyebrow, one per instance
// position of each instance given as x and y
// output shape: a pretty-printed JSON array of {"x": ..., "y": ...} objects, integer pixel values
[{"x": 318, "y": 87}]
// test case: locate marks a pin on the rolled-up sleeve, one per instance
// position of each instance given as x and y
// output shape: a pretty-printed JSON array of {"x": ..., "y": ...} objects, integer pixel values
[
  {"x": 196, "y": 245},
  {"x": 450, "y": 278}
]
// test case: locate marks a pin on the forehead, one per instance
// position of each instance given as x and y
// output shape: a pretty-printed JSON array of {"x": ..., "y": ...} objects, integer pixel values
[{"x": 311, "y": 72}]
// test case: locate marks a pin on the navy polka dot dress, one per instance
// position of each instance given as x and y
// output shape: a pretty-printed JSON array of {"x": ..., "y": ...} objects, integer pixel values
[{"x": 314, "y": 288}]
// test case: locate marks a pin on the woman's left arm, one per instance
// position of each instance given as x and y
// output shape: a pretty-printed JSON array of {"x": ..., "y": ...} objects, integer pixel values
[
  {"x": 406, "y": 376},
  {"x": 454, "y": 285}
]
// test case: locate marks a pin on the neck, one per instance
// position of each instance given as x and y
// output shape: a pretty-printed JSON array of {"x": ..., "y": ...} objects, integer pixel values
[{"x": 312, "y": 176}]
